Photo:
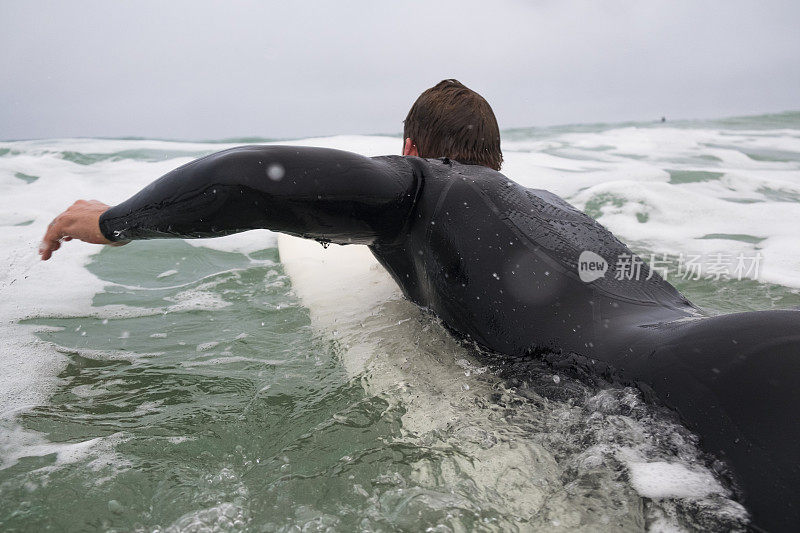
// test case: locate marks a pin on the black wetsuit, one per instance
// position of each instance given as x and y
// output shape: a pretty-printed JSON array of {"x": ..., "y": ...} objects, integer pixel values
[{"x": 498, "y": 263}]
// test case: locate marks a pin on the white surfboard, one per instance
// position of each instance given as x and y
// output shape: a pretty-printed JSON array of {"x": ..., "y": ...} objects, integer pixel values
[
  {"x": 342, "y": 286},
  {"x": 404, "y": 355}
]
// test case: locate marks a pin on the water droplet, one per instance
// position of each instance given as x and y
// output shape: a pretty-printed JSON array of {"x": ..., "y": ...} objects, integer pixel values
[{"x": 276, "y": 172}]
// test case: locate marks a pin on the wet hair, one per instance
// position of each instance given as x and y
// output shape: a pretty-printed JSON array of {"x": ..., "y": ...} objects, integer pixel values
[{"x": 451, "y": 120}]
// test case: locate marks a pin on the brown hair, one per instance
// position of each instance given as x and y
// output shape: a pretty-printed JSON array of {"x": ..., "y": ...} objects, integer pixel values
[{"x": 451, "y": 120}]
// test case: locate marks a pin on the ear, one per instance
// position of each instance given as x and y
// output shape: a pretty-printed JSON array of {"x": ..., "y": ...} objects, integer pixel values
[{"x": 409, "y": 148}]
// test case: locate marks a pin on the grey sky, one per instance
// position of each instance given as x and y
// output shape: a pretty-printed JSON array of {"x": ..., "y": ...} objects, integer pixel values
[{"x": 209, "y": 70}]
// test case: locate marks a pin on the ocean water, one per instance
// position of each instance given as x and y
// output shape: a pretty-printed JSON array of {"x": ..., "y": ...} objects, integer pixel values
[{"x": 182, "y": 386}]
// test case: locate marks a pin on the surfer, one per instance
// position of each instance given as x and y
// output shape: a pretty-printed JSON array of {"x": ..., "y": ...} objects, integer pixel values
[{"x": 517, "y": 271}]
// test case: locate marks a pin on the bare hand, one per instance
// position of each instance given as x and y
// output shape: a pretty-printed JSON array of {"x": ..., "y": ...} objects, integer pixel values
[{"x": 80, "y": 221}]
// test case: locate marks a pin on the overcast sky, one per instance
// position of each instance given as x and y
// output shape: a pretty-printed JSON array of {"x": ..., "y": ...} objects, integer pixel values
[{"x": 198, "y": 69}]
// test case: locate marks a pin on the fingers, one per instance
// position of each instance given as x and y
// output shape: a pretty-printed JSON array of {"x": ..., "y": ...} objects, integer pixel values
[
  {"x": 46, "y": 251},
  {"x": 52, "y": 238}
]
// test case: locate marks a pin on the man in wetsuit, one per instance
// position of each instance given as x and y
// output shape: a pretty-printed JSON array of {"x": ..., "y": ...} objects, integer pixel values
[{"x": 499, "y": 264}]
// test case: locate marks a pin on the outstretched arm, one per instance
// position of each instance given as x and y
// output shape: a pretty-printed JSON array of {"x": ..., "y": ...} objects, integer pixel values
[{"x": 329, "y": 195}]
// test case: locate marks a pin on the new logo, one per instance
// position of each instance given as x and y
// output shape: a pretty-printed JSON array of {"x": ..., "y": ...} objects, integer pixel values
[{"x": 591, "y": 266}]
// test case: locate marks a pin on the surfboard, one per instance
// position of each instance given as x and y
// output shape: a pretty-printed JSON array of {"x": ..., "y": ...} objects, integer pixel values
[{"x": 342, "y": 286}]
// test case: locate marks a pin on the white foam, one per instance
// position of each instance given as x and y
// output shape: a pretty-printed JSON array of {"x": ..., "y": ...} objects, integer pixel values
[
  {"x": 109, "y": 146},
  {"x": 662, "y": 479},
  {"x": 204, "y": 347},
  {"x": 113, "y": 355},
  {"x": 17, "y": 443},
  {"x": 232, "y": 359},
  {"x": 244, "y": 243},
  {"x": 195, "y": 300}
]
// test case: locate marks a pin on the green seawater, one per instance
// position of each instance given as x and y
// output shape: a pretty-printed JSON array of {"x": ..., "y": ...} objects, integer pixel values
[{"x": 254, "y": 427}]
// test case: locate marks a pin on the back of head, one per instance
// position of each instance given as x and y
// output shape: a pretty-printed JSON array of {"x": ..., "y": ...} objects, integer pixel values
[{"x": 451, "y": 120}]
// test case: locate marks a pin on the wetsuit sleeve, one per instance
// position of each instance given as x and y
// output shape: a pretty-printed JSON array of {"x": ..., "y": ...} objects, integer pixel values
[{"x": 329, "y": 195}]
